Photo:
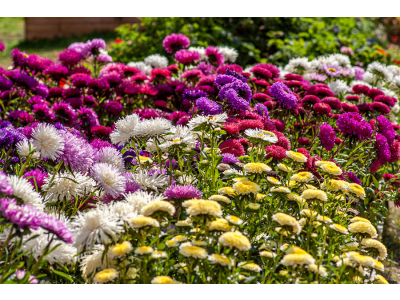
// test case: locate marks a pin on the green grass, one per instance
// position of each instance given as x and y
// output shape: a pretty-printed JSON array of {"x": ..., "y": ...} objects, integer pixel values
[{"x": 12, "y": 34}]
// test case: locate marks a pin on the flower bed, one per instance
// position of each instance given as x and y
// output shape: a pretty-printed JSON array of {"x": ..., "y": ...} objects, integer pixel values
[{"x": 198, "y": 171}]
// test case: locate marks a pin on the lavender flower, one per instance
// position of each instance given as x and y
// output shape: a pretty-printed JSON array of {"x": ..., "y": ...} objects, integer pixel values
[
  {"x": 353, "y": 178},
  {"x": 78, "y": 153},
  {"x": 93, "y": 47},
  {"x": 221, "y": 80},
  {"x": 283, "y": 95},
  {"x": 318, "y": 77},
  {"x": 359, "y": 73},
  {"x": 5, "y": 186},
  {"x": 327, "y": 136},
  {"x": 386, "y": 128},
  {"x": 236, "y": 75},
  {"x": 383, "y": 149},
  {"x": 353, "y": 125},
  {"x": 229, "y": 158},
  {"x": 332, "y": 70},
  {"x": 182, "y": 192},
  {"x": 261, "y": 109},
  {"x": 208, "y": 106},
  {"x": 237, "y": 94}
]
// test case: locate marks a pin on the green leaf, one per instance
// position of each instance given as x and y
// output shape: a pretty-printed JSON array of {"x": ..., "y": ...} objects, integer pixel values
[{"x": 62, "y": 274}]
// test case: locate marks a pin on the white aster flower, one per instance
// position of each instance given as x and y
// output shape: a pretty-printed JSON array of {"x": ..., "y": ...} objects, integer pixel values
[
  {"x": 25, "y": 147},
  {"x": 152, "y": 127},
  {"x": 141, "y": 66},
  {"x": 124, "y": 129},
  {"x": 123, "y": 210},
  {"x": 110, "y": 178},
  {"x": 356, "y": 82},
  {"x": 65, "y": 186},
  {"x": 25, "y": 191},
  {"x": 146, "y": 181},
  {"x": 338, "y": 87},
  {"x": 230, "y": 54},
  {"x": 261, "y": 135},
  {"x": 298, "y": 65},
  {"x": 140, "y": 199},
  {"x": 98, "y": 225},
  {"x": 182, "y": 135},
  {"x": 215, "y": 121},
  {"x": 395, "y": 70},
  {"x": 156, "y": 61},
  {"x": 47, "y": 140},
  {"x": 379, "y": 71},
  {"x": 92, "y": 260},
  {"x": 339, "y": 59},
  {"x": 186, "y": 179},
  {"x": 111, "y": 156}
]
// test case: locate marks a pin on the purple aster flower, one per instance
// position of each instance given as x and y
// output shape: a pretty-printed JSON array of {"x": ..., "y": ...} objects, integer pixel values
[
  {"x": 36, "y": 176},
  {"x": 332, "y": 70},
  {"x": 353, "y": 178},
  {"x": 193, "y": 94},
  {"x": 229, "y": 158},
  {"x": 182, "y": 192},
  {"x": 64, "y": 113},
  {"x": 70, "y": 57},
  {"x": 10, "y": 136},
  {"x": 386, "y": 128},
  {"x": 186, "y": 57},
  {"x": 318, "y": 77},
  {"x": 208, "y": 106},
  {"x": 221, "y": 80},
  {"x": 238, "y": 95},
  {"x": 93, "y": 47},
  {"x": 43, "y": 113},
  {"x": 5, "y": 124},
  {"x": 20, "y": 59},
  {"x": 5, "y": 84},
  {"x": 5, "y": 186},
  {"x": 78, "y": 153},
  {"x": 56, "y": 226},
  {"x": 384, "y": 154},
  {"x": 104, "y": 58},
  {"x": 57, "y": 71},
  {"x": 353, "y": 125},
  {"x": 359, "y": 73},
  {"x": 77, "y": 47},
  {"x": 327, "y": 136},
  {"x": 346, "y": 71},
  {"x": 236, "y": 75},
  {"x": 98, "y": 84},
  {"x": 20, "y": 215},
  {"x": 261, "y": 109},
  {"x": 41, "y": 90},
  {"x": 2, "y": 46},
  {"x": 283, "y": 95},
  {"x": 175, "y": 42},
  {"x": 113, "y": 107},
  {"x": 205, "y": 68},
  {"x": 88, "y": 117},
  {"x": 131, "y": 186},
  {"x": 25, "y": 81}
]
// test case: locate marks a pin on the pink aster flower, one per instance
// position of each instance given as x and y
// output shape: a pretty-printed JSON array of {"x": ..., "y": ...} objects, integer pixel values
[{"x": 176, "y": 41}]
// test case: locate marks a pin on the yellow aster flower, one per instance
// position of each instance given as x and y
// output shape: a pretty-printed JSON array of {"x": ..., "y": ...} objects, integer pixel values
[
  {"x": 381, "y": 279},
  {"x": 250, "y": 266},
  {"x": 314, "y": 194},
  {"x": 163, "y": 280},
  {"x": 302, "y": 177},
  {"x": 254, "y": 206},
  {"x": 219, "y": 225},
  {"x": 357, "y": 190},
  {"x": 260, "y": 196},
  {"x": 144, "y": 159},
  {"x": 203, "y": 207},
  {"x": 240, "y": 179},
  {"x": 154, "y": 207},
  {"x": 286, "y": 220},
  {"x": 235, "y": 240},
  {"x": 348, "y": 246},
  {"x": 273, "y": 180},
  {"x": 105, "y": 276},
  {"x": 256, "y": 168},
  {"x": 300, "y": 258},
  {"x": 283, "y": 272},
  {"x": 296, "y": 156},
  {"x": 357, "y": 279},
  {"x": 324, "y": 162},
  {"x": 220, "y": 259},
  {"x": 199, "y": 243},
  {"x": 144, "y": 250},
  {"x": 331, "y": 169},
  {"x": 324, "y": 219},
  {"x": 267, "y": 254},
  {"x": 364, "y": 260},
  {"x": 171, "y": 243},
  {"x": 184, "y": 223},
  {"x": 293, "y": 183},
  {"x": 220, "y": 198},
  {"x": 246, "y": 187},
  {"x": 159, "y": 254},
  {"x": 188, "y": 250},
  {"x": 321, "y": 270},
  {"x": 336, "y": 185},
  {"x": 294, "y": 197},
  {"x": 339, "y": 228},
  {"x": 234, "y": 220},
  {"x": 119, "y": 250},
  {"x": 280, "y": 189},
  {"x": 227, "y": 191},
  {"x": 284, "y": 168},
  {"x": 362, "y": 227},
  {"x": 359, "y": 219},
  {"x": 142, "y": 221},
  {"x": 308, "y": 213},
  {"x": 370, "y": 243}
]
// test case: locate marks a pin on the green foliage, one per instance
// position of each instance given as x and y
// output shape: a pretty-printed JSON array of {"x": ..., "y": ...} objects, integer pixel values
[{"x": 274, "y": 40}]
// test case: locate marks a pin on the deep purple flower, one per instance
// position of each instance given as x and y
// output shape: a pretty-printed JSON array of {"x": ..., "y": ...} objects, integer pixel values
[
  {"x": 261, "y": 109},
  {"x": 9, "y": 136},
  {"x": 5, "y": 84},
  {"x": 353, "y": 178},
  {"x": 283, "y": 95},
  {"x": 5, "y": 186},
  {"x": 41, "y": 90},
  {"x": 229, "y": 158},
  {"x": 131, "y": 186},
  {"x": 26, "y": 81},
  {"x": 175, "y": 42},
  {"x": 113, "y": 79},
  {"x": 98, "y": 144},
  {"x": 182, "y": 192},
  {"x": 98, "y": 84},
  {"x": 80, "y": 80},
  {"x": 193, "y": 94},
  {"x": 70, "y": 57},
  {"x": 64, "y": 113},
  {"x": 78, "y": 153},
  {"x": 386, "y": 128},
  {"x": 238, "y": 95},
  {"x": 93, "y": 47},
  {"x": 57, "y": 71},
  {"x": 383, "y": 149},
  {"x": 43, "y": 113},
  {"x": 20, "y": 215},
  {"x": 88, "y": 116},
  {"x": 353, "y": 125},
  {"x": 36, "y": 176},
  {"x": 236, "y": 75},
  {"x": 208, "y": 106},
  {"x": 359, "y": 73},
  {"x": 327, "y": 136},
  {"x": 113, "y": 107},
  {"x": 221, "y": 80},
  {"x": 186, "y": 57}
]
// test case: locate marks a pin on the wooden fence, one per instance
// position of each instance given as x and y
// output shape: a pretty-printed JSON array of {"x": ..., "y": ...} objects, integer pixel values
[{"x": 48, "y": 28}]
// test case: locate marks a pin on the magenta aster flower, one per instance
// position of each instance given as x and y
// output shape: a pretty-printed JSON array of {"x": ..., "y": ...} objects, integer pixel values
[
  {"x": 70, "y": 57},
  {"x": 283, "y": 95},
  {"x": 43, "y": 113},
  {"x": 20, "y": 215},
  {"x": 215, "y": 57},
  {"x": 327, "y": 136},
  {"x": 186, "y": 57},
  {"x": 386, "y": 128},
  {"x": 56, "y": 226},
  {"x": 88, "y": 117},
  {"x": 37, "y": 63},
  {"x": 20, "y": 59},
  {"x": 2, "y": 46},
  {"x": 354, "y": 126},
  {"x": 36, "y": 176},
  {"x": 176, "y": 41},
  {"x": 383, "y": 149},
  {"x": 78, "y": 153},
  {"x": 113, "y": 107},
  {"x": 353, "y": 178},
  {"x": 64, "y": 113},
  {"x": 5, "y": 186},
  {"x": 57, "y": 72},
  {"x": 182, "y": 192}
]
